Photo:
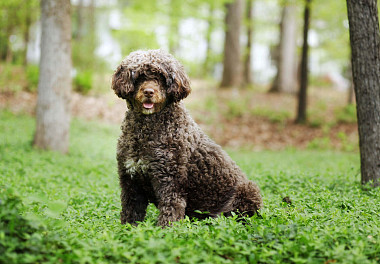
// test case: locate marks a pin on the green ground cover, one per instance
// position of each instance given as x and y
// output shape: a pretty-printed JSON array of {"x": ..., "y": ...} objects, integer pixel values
[{"x": 65, "y": 209}]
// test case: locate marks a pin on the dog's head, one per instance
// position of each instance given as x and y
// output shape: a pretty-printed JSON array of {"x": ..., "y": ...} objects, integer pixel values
[{"x": 150, "y": 80}]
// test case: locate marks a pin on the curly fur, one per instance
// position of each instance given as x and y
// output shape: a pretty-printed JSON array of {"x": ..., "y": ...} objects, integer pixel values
[{"x": 164, "y": 157}]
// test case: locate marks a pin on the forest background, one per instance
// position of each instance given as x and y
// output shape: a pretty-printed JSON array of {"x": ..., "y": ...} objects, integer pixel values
[
  {"x": 260, "y": 109},
  {"x": 65, "y": 208}
]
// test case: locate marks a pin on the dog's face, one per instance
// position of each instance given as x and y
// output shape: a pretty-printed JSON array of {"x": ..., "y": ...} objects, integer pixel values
[
  {"x": 150, "y": 97},
  {"x": 150, "y": 80}
]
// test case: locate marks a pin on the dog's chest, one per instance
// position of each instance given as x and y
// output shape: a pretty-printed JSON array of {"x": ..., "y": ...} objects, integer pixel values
[{"x": 137, "y": 169}]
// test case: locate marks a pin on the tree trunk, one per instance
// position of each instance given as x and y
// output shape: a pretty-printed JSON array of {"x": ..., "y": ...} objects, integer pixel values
[
  {"x": 54, "y": 87},
  {"x": 365, "y": 48},
  {"x": 350, "y": 99},
  {"x": 9, "y": 53},
  {"x": 174, "y": 33},
  {"x": 92, "y": 30},
  {"x": 210, "y": 27},
  {"x": 80, "y": 27},
  {"x": 302, "y": 96},
  {"x": 286, "y": 79},
  {"x": 28, "y": 22},
  {"x": 232, "y": 74},
  {"x": 247, "y": 77}
]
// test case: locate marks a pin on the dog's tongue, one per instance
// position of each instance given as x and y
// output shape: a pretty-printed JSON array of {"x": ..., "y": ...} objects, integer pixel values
[{"x": 148, "y": 105}]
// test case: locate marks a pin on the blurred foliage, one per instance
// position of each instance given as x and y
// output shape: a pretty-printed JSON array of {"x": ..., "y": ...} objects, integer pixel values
[
  {"x": 153, "y": 24},
  {"x": 322, "y": 143},
  {"x": 16, "y": 17},
  {"x": 15, "y": 230},
  {"x": 12, "y": 78},
  {"x": 320, "y": 81},
  {"x": 346, "y": 114},
  {"x": 274, "y": 116},
  {"x": 84, "y": 43},
  {"x": 331, "y": 25},
  {"x": 23, "y": 237},
  {"x": 346, "y": 144},
  {"x": 32, "y": 75},
  {"x": 141, "y": 39},
  {"x": 83, "y": 82},
  {"x": 317, "y": 114},
  {"x": 236, "y": 108},
  {"x": 149, "y": 24}
]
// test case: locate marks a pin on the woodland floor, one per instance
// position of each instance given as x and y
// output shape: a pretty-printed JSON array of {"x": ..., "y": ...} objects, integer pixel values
[
  {"x": 65, "y": 208},
  {"x": 251, "y": 119}
]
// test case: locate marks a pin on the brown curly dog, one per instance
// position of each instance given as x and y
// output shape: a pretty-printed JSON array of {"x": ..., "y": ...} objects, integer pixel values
[{"x": 163, "y": 156}]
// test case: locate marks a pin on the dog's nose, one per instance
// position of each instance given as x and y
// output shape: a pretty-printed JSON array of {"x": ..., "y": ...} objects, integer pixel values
[{"x": 148, "y": 92}]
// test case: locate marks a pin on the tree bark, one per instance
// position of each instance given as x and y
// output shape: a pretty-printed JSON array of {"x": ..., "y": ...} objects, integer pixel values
[
  {"x": 247, "y": 76},
  {"x": 350, "y": 98},
  {"x": 232, "y": 74},
  {"x": 79, "y": 31},
  {"x": 9, "y": 53},
  {"x": 365, "y": 50},
  {"x": 174, "y": 33},
  {"x": 302, "y": 96},
  {"x": 54, "y": 87},
  {"x": 286, "y": 78},
  {"x": 28, "y": 22},
  {"x": 207, "y": 65}
]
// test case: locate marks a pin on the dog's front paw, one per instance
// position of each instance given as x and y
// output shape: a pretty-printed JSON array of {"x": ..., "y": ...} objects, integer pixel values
[
  {"x": 169, "y": 217},
  {"x": 124, "y": 219}
]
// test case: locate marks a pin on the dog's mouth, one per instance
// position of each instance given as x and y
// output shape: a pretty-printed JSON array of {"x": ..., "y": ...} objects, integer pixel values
[{"x": 148, "y": 106}]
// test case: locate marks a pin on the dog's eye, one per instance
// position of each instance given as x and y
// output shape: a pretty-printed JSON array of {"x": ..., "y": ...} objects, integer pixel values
[{"x": 133, "y": 76}]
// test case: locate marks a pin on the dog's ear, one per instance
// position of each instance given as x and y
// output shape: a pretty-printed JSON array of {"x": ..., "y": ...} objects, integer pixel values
[
  {"x": 123, "y": 81},
  {"x": 178, "y": 85}
]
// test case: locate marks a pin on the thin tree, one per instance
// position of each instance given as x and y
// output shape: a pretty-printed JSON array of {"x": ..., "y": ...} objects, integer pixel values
[
  {"x": 54, "y": 87},
  {"x": 232, "y": 66},
  {"x": 79, "y": 31},
  {"x": 247, "y": 76},
  {"x": 302, "y": 96},
  {"x": 207, "y": 64},
  {"x": 27, "y": 23},
  {"x": 174, "y": 33},
  {"x": 286, "y": 77},
  {"x": 365, "y": 48},
  {"x": 350, "y": 97}
]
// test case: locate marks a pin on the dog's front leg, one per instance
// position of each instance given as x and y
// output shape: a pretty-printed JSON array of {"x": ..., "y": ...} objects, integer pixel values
[
  {"x": 133, "y": 200},
  {"x": 171, "y": 205},
  {"x": 133, "y": 205}
]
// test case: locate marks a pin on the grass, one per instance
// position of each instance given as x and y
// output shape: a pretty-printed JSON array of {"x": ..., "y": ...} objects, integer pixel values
[{"x": 65, "y": 209}]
